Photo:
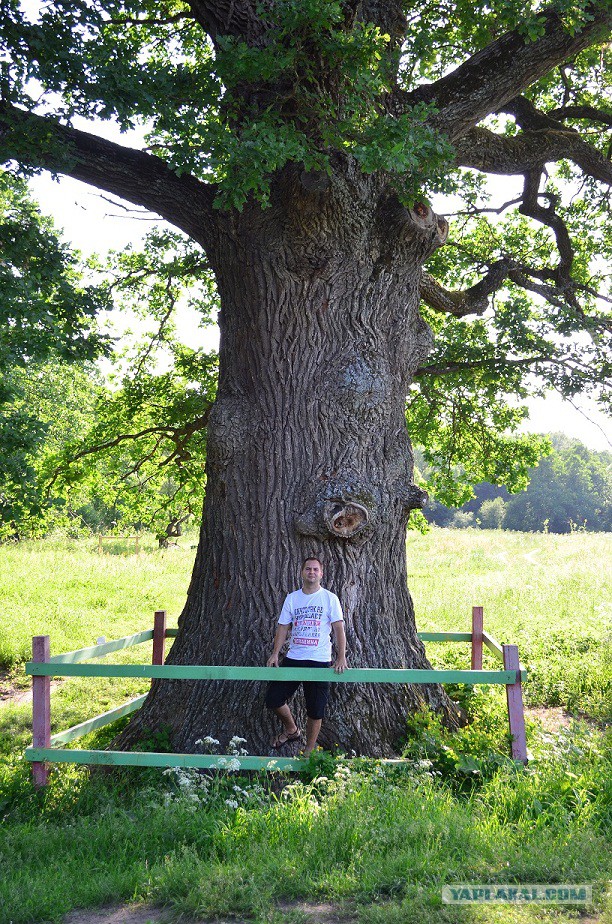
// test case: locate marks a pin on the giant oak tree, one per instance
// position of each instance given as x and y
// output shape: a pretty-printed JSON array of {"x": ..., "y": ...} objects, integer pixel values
[{"x": 298, "y": 144}]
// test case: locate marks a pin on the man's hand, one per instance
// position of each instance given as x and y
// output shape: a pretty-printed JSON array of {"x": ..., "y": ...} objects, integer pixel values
[
  {"x": 280, "y": 637},
  {"x": 340, "y": 664}
]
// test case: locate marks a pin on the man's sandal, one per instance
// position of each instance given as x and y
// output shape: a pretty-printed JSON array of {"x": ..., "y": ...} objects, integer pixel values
[{"x": 285, "y": 738}]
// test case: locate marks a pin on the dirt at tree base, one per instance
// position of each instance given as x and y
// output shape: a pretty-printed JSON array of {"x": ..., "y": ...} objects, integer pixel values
[
  {"x": 305, "y": 912},
  {"x": 14, "y": 691},
  {"x": 310, "y": 913}
]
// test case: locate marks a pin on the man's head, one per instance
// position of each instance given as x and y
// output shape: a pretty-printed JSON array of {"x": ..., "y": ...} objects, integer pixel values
[{"x": 312, "y": 573}]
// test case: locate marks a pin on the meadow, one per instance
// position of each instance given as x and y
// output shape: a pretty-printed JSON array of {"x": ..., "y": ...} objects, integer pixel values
[{"x": 378, "y": 844}]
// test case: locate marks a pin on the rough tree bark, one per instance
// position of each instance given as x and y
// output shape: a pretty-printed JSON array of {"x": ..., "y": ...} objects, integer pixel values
[{"x": 308, "y": 453}]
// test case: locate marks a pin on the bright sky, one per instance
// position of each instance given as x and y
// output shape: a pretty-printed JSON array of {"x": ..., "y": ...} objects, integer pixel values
[{"x": 93, "y": 224}]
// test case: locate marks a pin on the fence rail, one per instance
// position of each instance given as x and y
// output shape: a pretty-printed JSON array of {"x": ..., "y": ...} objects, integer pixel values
[{"x": 42, "y": 667}]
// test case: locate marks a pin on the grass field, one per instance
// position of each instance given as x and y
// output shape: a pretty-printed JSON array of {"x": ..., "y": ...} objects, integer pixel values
[{"x": 379, "y": 844}]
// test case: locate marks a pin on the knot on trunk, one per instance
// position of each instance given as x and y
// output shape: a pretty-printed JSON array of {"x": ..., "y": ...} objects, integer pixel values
[
  {"x": 414, "y": 498},
  {"x": 340, "y": 507},
  {"x": 442, "y": 229},
  {"x": 422, "y": 222},
  {"x": 422, "y": 216},
  {"x": 346, "y": 520}
]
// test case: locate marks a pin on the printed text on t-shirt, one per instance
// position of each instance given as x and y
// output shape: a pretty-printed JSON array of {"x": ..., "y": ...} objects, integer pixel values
[{"x": 307, "y": 625}]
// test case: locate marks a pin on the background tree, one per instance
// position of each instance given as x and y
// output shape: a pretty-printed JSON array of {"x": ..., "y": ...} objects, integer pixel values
[
  {"x": 492, "y": 514},
  {"x": 141, "y": 460},
  {"x": 296, "y": 142},
  {"x": 570, "y": 488},
  {"x": 47, "y": 318}
]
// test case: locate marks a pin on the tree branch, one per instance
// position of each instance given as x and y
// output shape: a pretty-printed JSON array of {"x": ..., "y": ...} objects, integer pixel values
[
  {"x": 178, "y": 435},
  {"x": 474, "y": 300},
  {"x": 136, "y": 176},
  {"x": 548, "y": 216},
  {"x": 153, "y": 21},
  {"x": 589, "y": 113},
  {"x": 484, "y": 150},
  {"x": 499, "y": 72},
  {"x": 449, "y": 368},
  {"x": 157, "y": 337}
]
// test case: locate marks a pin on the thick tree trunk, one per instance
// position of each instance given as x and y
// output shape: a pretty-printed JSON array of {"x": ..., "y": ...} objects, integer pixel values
[{"x": 308, "y": 454}]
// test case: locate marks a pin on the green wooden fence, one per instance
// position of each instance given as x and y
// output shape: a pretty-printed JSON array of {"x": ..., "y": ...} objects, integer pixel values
[{"x": 46, "y": 747}]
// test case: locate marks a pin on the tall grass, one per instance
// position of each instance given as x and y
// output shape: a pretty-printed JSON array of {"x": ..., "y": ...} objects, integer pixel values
[
  {"x": 69, "y": 591},
  {"x": 549, "y": 594},
  {"x": 384, "y": 842}
]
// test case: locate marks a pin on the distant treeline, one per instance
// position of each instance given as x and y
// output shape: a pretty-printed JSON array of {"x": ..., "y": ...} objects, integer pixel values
[{"x": 570, "y": 489}]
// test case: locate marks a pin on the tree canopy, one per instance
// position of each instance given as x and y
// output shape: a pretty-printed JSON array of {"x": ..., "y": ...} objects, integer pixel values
[{"x": 435, "y": 98}]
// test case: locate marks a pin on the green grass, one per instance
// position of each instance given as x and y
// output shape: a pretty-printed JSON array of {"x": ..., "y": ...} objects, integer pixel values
[
  {"x": 70, "y": 592},
  {"x": 379, "y": 843},
  {"x": 551, "y": 595},
  {"x": 374, "y": 840}
]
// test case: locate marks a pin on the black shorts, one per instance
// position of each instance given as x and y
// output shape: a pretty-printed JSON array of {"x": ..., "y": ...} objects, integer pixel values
[{"x": 316, "y": 693}]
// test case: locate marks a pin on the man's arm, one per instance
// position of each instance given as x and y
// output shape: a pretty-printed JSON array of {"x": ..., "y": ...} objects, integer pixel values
[
  {"x": 280, "y": 637},
  {"x": 340, "y": 664}
]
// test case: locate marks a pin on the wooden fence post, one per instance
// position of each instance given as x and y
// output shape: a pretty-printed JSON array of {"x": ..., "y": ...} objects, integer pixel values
[
  {"x": 514, "y": 697},
  {"x": 41, "y": 708},
  {"x": 159, "y": 636},
  {"x": 477, "y": 628}
]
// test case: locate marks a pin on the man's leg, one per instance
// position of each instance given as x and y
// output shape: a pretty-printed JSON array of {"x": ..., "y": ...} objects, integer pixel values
[
  {"x": 316, "y": 695},
  {"x": 277, "y": 694},
  {"x": 285, "y": 715},
  {"x": 313, "y": 727}
]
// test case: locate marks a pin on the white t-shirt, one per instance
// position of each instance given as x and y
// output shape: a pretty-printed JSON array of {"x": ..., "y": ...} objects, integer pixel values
[{"x": 311, "y": 617}]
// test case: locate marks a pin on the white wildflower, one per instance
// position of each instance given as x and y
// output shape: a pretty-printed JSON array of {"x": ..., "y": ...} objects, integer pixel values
[
  {"x": 232, "y": 803},
  {"x": 233, "y": 764},
  {"x": 209, "y": 741}
]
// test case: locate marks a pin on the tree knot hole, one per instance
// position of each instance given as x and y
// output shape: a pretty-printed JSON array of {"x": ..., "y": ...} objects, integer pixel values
[{"x": 347, "y": 519}]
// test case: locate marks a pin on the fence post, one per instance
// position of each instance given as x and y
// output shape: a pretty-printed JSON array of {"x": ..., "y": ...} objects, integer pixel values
[
  {"x": 514, "y": 697},
  {"x": 41, "y": 708},
  {"x": 477, "y": 627},
  {"x": 159, "y": 636}
]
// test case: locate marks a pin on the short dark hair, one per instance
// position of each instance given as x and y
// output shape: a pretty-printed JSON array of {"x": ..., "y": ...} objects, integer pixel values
[{"x": 311, "y": 558}]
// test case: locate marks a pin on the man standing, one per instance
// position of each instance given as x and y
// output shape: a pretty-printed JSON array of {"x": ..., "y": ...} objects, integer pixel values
[{"x": 312, "y": 613}]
